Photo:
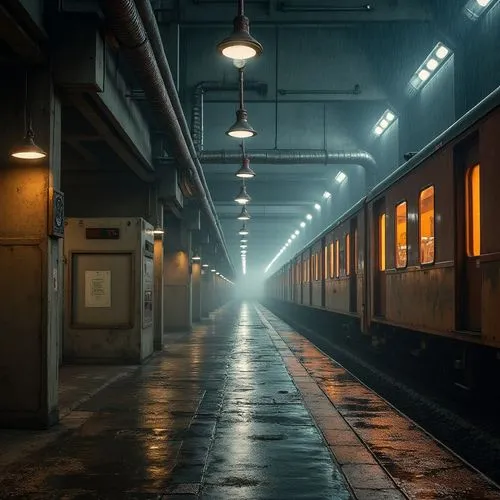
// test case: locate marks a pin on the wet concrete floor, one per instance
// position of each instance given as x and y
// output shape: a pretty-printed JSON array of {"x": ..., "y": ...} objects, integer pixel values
[{"x": 215, "y": 415}]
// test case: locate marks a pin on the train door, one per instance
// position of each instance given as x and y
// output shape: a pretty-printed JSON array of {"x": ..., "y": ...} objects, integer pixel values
[
  {"x": 379, "y": 226},
  {"x": 351, "y": 251},
  {"x": 469, "y": 276}
]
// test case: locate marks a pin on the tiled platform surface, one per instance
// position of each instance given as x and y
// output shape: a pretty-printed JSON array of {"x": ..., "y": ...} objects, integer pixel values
[
  {"x": 241, "y": 408},
  {"x": 374, "y": 444}
]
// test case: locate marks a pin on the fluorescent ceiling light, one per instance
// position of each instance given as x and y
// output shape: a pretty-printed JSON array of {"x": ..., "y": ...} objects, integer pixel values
[
  {"x": 340, "y": 177},
  {"x": 439, "y": 54},
  {"x": 302, "y": 224},
  {"x": 475, "y": 8},
  {"x": 327, "y": 195},
  {"x": 289, "y": 240},
  {"x": 293, "y": 236},
  {"x": 309, "y": 216},
  {"x": 384, "y": 122},
  {"x": 297, "y": 232},
  {"x": 317, "y": 206}
]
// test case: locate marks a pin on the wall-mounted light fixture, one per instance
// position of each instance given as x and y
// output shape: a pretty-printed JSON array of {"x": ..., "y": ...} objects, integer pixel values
[
  {"x": 384, "y": 122},
  {"x": 340, "y": 177},
  {"x": 435, "y": 60},
  {"x": 240, "y": 44},
  {"x": 474, "y": 9}
]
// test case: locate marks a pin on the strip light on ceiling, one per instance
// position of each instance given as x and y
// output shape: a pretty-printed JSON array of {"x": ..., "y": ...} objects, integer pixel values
[
  {"x": 433, "y": 62},
  {"x": 474, "y": 9},
  {"x": 384, "y": 122}
]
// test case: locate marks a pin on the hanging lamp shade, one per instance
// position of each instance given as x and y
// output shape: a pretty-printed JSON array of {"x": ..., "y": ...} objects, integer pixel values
[
  {"x": 244, "y": 215},
  {"x": 27, "y": 149},
  {"x": 243, "y": 231},
  {"x": 243, "y": 197},
  {"x": 245, "y": 172},
  {"x": 240, "y": 44},
  {"x": 158, "y": 230},
  {"x": 241, "y": 129}
]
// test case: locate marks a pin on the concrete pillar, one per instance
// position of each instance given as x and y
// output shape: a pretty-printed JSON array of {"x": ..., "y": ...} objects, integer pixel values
[
  {"x": 177, "y": 277},
  {"x": 30, "y": 259},
  {"x": 196, "y": 297},
  {"x": 206, "y": 292},
  {"x": 158, "y": 286}
]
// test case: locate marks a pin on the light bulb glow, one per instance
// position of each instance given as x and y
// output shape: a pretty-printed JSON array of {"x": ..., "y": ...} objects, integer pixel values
[
  {"x": 340, "y": 177},
  {"x": 297, "y": 232},
  {"x": 384, "y": 123},
  {"x": 432, "y": 64},
  {"x": 378, "y": 130},
  {"x": 302, "y": 224},
  {"x": 424, "y": 75},
  {"x": 240, "y": 134},
  {"x": 241, "y": 52},
  {"x": 327, "y": 195},
  {"x": 289, "y": 240},
  {"x": 317, "y": 206},
  {"x": 389, "y": 116},
  {"x": 309, "y": 216},
  {"x": 442, "y": 52}
]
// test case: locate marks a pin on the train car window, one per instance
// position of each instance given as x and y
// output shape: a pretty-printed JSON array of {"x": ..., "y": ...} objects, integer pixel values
[
  {"x": 426, "y": 225},
  {"x": 473, "y": 211},
  {"x": 325, "y": 263},
  {"x": 317, "y": 265},
  {"x": 355, "y": 250},
  {"x": 337, "y": 259},
  {"x": 347, "y": 254},
  {"x": 401, "y": 248},
  {"x": 332, "y": 260},
  {"x": 381, "y": 242}
]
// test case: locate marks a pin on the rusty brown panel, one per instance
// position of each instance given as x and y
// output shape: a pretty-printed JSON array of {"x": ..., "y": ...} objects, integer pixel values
[
  {"x": 337, "y": 295},
  {"x": 316, "y": 294},
  {"x": 489, "y": 154},
  {"x": 423, "y": 299},
  {"x": 490, "y": 301}
]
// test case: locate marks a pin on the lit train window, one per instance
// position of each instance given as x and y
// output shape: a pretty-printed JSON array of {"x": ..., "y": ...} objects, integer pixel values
[
  {"x": 347, "y": 254},
  {"x": 337, "y": 259},
  {"x": 401, "y": 221},
  {"x": 325, "y": 264},
  {"x": 381, "y": 241},
  {"x": 473, "y": 211},
  {"x": 426, "y": 225},
  {"x": 332, "y": 260}
]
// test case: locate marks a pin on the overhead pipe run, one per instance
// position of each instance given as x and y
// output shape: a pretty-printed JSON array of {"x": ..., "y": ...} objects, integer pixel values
[
  {"x": 129, "y": 30},
  {"x": 297, "y": 157},
  {"x": 200, "y": 89}
]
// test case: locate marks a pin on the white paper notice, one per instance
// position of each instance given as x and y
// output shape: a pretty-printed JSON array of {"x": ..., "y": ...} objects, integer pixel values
[{"x": 97, "y": 288}]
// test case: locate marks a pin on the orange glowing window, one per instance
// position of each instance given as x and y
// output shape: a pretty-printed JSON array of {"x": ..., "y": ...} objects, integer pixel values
[
  {"x": 381, "y": 242},
  {"x": 337, "y": 258},
  {"x": 325, "y": 263},
  {"x": 473, "y": 211},
  {"x": 332, "y": 260},
  {"x": 347, "y": 254},
  {"x": 401, "y": 249},
  {"x": 426, "y": 225}
]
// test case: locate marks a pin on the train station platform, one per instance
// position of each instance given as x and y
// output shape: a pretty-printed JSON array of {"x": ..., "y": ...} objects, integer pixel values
[{"x": 242, "y": 407}]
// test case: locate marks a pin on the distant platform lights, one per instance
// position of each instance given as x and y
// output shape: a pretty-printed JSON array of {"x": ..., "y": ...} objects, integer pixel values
[
  {"x": 433, "y": 62},
  {"x": 474, "y": 9},
  {"x": 340, "y": 177},
  {"x": 384, "y": 122}
]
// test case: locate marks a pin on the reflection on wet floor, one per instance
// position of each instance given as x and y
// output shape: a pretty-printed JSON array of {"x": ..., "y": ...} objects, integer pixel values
[{"x": 215, "y": 415}]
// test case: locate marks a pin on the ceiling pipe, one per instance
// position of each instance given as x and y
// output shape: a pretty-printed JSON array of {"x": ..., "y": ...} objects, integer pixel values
[
  {"x": 197, "y": 119},
  {"x": 297, "y": 157},
  {"x": 286, "y": 7},
  {"x": 155, "y": 77}
]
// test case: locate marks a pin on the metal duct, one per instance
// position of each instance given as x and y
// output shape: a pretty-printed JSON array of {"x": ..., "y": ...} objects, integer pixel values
[
  {"x": 129, "y": 30},
  {"x": 298, "y": 156},
  {"x": 200, "y": 88}
]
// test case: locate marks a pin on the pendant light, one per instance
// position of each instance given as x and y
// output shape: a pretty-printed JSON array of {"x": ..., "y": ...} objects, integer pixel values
[
  {"x": 243, "y": 197},
  {"x": 240, "y": 44},
  {"x": 158, "y": 229},
  {"x": 27, "y": 149},
  {"x": 243, "y": 231},
  {"x": 241, "y": 129},
  {"x": 245, "y": 172},
  {"x": 244, "y": 215}
]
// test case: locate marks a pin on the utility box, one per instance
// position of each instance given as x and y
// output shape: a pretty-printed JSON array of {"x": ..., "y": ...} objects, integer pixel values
[{"x": 108, "y": 290}]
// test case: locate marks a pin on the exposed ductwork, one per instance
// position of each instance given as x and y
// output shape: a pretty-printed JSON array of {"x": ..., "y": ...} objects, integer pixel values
[
  {"x": 145, "y": 53},
  {"x": 210, "y": 86},
  {"x": 299, "y": 156}
]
